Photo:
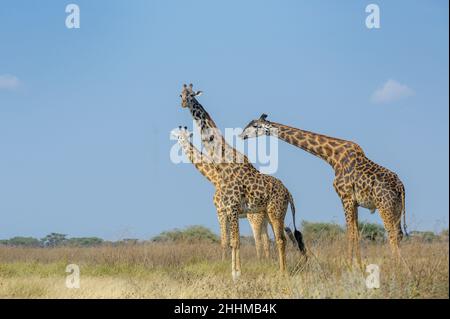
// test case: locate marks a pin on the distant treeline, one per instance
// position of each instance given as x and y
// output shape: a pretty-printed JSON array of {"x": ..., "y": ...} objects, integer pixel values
[{"x": 311, "y": 231}]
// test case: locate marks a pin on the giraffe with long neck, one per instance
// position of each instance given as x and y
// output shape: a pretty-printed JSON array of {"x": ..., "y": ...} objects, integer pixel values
[
  {"x": 244, "y": 190},
  {"x": 358, "y": 180},
  {"x": 208, "y": 169}
]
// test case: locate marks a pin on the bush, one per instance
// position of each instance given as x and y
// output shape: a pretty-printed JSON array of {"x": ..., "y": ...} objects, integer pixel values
[
  {"x": 327, "y": 231},
  {"x": 424, "y": 236},
  {"x": 189, "y": 234},
  {"x": 21, "y": 241},
  {"x": 84, "y": 241},
  {"x": 371, "y": 231},
  {"x": 444, "y": 234}
]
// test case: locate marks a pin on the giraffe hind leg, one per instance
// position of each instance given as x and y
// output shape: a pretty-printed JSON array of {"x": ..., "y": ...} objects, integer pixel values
[
  {"x": 280, "y": 239},
  {"x": 256, "y": 223},
  {"x": 391, "y": 221},
  {"x": 351, "y": 219}
]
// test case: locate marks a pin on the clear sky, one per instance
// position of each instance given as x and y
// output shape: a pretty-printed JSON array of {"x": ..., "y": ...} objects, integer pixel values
[{"x": 85, "y": 114}]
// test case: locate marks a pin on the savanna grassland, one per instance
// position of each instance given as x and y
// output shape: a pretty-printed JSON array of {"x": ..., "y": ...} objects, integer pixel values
[{"x": 195, "y": 270}]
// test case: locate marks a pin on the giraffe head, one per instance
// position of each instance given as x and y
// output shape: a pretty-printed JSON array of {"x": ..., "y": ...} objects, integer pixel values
[
  {"x": 188, "y": 96},
  {"x": 182, "y": 134},
  {"x": 257, "y": 128}
]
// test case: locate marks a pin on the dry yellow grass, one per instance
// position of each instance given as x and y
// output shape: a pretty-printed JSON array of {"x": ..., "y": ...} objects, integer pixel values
[{"x": 196, "y": 271}]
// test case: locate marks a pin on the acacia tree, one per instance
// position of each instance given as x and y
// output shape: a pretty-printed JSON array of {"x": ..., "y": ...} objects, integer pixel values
[{"x": 53, "y": 240}]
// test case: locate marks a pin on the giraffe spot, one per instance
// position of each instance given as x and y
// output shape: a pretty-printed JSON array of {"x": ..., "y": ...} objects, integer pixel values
[
  {"x": 333, "y": 144},
  {"x": 319, "y": 150},
  {"x": 303, "y": 144}
]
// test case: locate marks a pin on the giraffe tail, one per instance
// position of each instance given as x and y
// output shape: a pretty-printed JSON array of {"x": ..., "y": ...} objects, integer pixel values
[
  {"x": 404, "y": 212},
  {"x": 297, "y": 234}
]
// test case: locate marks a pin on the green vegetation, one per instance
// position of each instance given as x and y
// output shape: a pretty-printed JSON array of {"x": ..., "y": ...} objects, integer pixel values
[
  {"x": 54, "y": 240},
  {"x": 371, "y": 231},
  {"x": 84, "y": 241},
  {"x": 424, "y": 236},
  {"x": 21, "y": 241},
  {"x": 189, "y": 234},
  {"x": 322, "y": 231},
  {"x": 312, "y": 232}
]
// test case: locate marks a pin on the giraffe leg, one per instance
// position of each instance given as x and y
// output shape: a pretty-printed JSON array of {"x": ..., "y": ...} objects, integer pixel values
[
  {"x": 351, "y": 219},
  {"x": 265, "y": 239},
  {"x": 224, "y": 239},
  {"x": 278, "y": 231},
  {"x": 256, "y": 221},
  {"x": 235, "y": 244},
  {"x": 223, "y": 222},
  {"x": 391, "y": 222}
]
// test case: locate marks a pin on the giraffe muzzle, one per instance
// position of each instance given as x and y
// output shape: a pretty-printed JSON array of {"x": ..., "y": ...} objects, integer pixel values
[{"x": 243, "y": 136}]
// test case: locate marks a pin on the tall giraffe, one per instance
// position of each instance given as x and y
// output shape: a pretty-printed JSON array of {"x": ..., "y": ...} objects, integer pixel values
[
  {"x": 203, "y": 164},
  {"x": 244, "y": 190},
  {"x": 358, "y": 181}
]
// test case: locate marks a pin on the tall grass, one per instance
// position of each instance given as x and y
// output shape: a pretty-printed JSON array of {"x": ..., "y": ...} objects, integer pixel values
[{"x": 195, "y": 270}]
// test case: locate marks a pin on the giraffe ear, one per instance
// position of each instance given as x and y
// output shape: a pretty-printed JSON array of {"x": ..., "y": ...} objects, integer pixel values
[
  {"x": 263, "y": 117},
  {"x": 198, "y": 93}
]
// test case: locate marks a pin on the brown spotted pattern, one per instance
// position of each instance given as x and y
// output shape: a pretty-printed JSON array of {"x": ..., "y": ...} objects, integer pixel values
[
  {"x": 258, "y": 222},
  {"x": 243, "y": 189},
  {"x": 358, "y": 180}
]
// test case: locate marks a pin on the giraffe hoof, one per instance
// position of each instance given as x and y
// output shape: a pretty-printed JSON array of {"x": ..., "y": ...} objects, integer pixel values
[{"x": 235, "y": 275}]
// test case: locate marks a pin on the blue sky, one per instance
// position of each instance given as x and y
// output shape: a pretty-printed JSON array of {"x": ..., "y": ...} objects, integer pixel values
[{"x": 85, "y": 114}]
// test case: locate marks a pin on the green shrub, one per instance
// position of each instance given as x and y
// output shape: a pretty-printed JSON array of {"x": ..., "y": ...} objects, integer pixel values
[
  {"x": 84, "y": 241},
  {"x": 327, "y": 231},
  {"x": 189, "y": 234},
  {"x": 22, "y": 241},
  {"x": 371, "y": 231},
  {"x": 424, "y": 236}
]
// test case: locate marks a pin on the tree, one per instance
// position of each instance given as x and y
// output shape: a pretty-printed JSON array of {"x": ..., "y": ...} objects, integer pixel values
[
  {"x": 53, "y": 240},
  {"x": 189, "y": 234}
]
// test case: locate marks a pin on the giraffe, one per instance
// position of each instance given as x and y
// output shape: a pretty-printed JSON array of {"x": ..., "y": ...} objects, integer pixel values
[
  {"x": 244, "y": 190},
  {"x": 358, "y": 180},
  {"x": 203, "y": 164}
]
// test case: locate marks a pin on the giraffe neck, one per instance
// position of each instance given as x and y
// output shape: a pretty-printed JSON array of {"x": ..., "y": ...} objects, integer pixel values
[
  {"x": 327, "y": 148},
  {"x": 219, "y": 150},
  {"x": 201, "y": 162}
]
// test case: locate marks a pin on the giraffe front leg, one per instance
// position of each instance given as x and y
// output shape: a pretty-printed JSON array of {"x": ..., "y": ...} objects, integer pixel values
[
  {"x": 223, "y": 222},
  {"x": 235, "y": 245},
  {"x": 256, "y": 221},
  {"x": 265, "y": 239},
  {"x": 280, "y": 239},
  {"x": 351, "y": 219},
  {"x": 224, "y": 239}
]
